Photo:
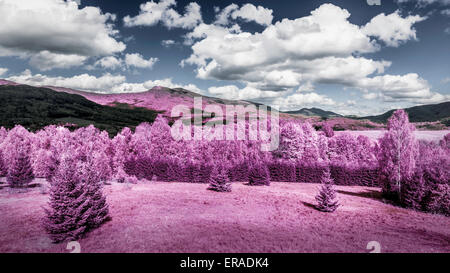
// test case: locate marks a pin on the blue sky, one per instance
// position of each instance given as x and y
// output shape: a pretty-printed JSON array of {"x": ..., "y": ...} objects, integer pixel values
[{"x": 346, "y": 56}]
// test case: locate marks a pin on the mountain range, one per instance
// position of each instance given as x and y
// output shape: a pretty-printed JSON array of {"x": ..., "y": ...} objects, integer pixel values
[
  {"x": 111, "y": 112},
  {"x": 311, "y": 112},
  {"x": 422, "y": 113}
]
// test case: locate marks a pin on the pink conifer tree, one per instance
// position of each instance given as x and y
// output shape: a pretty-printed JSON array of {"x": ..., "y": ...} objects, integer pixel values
[
  {"x": 3, "y": 167},
  {"x": 20, "y": 172},
  {"x": 259, "y": 175},
  {"x": 327, "y": 199},
  {"x": 77, "y": 204},
  {"x": 219, "y": 180}
]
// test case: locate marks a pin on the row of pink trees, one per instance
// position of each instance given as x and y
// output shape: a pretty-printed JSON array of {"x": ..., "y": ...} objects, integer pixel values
[{"x": 302, "y": 150}]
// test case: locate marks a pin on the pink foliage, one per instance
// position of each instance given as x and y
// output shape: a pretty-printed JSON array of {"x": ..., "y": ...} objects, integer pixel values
[
  {"x": 259, "y": 175},
  {"x": 20, "y": 172},
  {"x": 397, "y": 154},
  {"x": 327, "y": 129},
  {"x": 327, "y": 198},
  {"x": 77, "y": 204},
  {"x": 3, "y": 166},
  {"x": 219, "y": 180}
]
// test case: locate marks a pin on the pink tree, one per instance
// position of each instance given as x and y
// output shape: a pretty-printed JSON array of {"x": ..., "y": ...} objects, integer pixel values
[
  {"x": 445, "y": 143},
  {"x": 397, "y": 153},
  {"x": 44, "y": 163},
  {"x": 3, "y": 167},
  {"x": 20, "y": 173},
  {"x": 259, "y": 175},
  {"x": 219, "y": 180},
  {"x": 77, "y": 204},
  {"x": 327, "y": 199},
  {"x": 327, "y": 129},
  {"x": 301, "y": 142}
]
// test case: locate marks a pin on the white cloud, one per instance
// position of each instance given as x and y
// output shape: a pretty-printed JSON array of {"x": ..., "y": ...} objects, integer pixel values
[
  {"x": 445, "y": 12},
  {"x": 81, "y": 82},
  {"x": 107, "y": 83},
  {"x": 46, "y": 60},
  {"x": 233, "y": 92},
  {"x": 136, "y": 60},
  {"x": 409, "y": 87},
  {"x": 109, "y": 62},
  {"x": 299, "y": 100},
  {"x": 392, "y": 29},
  {"x": 371, "y": 96},
  {"x": 222, "y": 16},
  {"x": 151, "y": 13},
  {"x": 323, "y": 47},
  {"x": 3, "y": 71},
  {"x": 140, "y": 87},
  {"x": 189, "y": 20},
  {"x": 446, "y": 80},
  {"x": 307, "y": 87},
  {"x": 167, "y": 43},
  {"x": 247, "y": 12},
  {"x": 50, "y": 29},
  {"x": 425, "y": 2},
  {"x": 220, "y": 54}
]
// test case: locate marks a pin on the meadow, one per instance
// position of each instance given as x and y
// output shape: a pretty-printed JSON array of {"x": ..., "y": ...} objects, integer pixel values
[
  {"x": 185, "y": 217},
  {"x": 144, "y": 191}
]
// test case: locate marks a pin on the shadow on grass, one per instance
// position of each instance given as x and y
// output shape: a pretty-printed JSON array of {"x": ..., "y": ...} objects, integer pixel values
[
  {"x": 22, "y": 189},
  {"x": 309, "y": 205},
  {"x": 254, "y": 185},
  {"x": 371, "y": 194}
]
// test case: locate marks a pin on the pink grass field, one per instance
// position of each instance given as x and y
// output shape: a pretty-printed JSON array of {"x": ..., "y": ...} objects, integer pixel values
[{"x": 185, "y": 217}]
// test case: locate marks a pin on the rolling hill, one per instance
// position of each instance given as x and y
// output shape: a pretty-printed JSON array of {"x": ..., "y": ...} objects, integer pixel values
[
  {"x": 158, "y": 98},
  {"x": 311, "y": 112},
  {"x": 423, "y": 113},
  {"x": 37, "y": 107}
]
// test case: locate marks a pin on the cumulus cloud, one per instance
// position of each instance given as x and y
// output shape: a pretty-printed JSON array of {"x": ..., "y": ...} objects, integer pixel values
[
  {"x": 151, "y": 13},
  {"x": 425, "y": 2},
  {"x": 136, "y": 60},
  {"x": 56, "y": 33},
  {"x": 248, "y": 13},
  {"x": 107, "y": 83},
  {"x": 167, "y": 43},
  {"x": 81, "y": 82},
  {"x": 299, "y": 100},
  {"x": 46, "y": 60},
  {"x": 133, "y": 60},
  {"x": 3, "y": 71},
  {"x": 126, "y": 87},
  {"x": 109, "y": 62},
  {"x": 232, "y": 92},
  {"x": 392, "y": 29},
  {"x": 409, "y": 87},
  {"x": 307, "y": 87},
  {"x": 323, "y": 47}
]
